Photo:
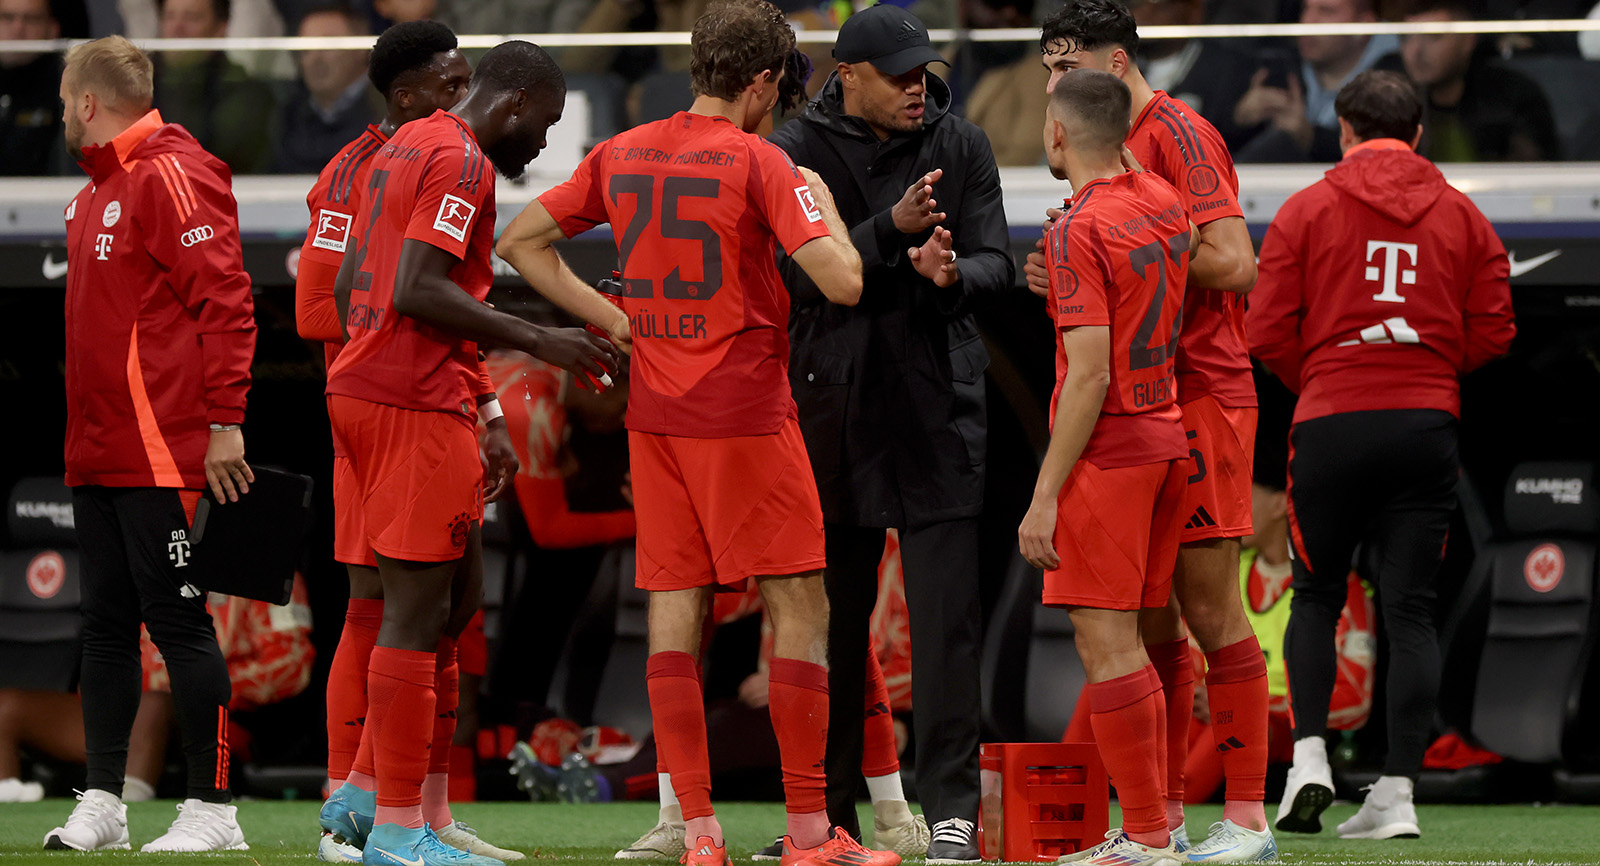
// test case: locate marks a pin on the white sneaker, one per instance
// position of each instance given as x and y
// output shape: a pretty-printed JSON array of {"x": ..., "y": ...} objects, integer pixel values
[
  {"x": 331, "y": 850},
  {"x": 1230, "y": 843},
  {"x": 1119, "y": 850},
  {"x": 201, "y": 826},
  {"x": 1180, "y": 839},
  {"x": 665, "y": 841},
  {"x": 1309, "y": 789},
  {"x": 463, "y": 838},
  {"x": 14, "y": 790},
  {"x": 895, "y": 829},
  {"x": 98, "y": 823},
  {"x": 1387, "y": 813}
]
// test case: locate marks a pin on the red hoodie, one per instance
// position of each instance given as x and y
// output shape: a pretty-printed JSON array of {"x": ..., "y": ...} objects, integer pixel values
[
  {"x": 1379, "y": 286},
  {"x": 160, "y": 322}
]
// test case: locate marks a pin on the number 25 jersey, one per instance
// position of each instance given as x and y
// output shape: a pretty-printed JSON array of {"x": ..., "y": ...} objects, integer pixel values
[
  {"x": 1119, "y": 258},
  {"x": 698, "y": 206}
]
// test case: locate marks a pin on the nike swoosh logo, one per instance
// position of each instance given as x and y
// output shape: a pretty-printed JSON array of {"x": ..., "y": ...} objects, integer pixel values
[
  {"x": 52, "y": 269},
  {"x": 1517, "y": 268},
  {"x": 398, "y": 859}
]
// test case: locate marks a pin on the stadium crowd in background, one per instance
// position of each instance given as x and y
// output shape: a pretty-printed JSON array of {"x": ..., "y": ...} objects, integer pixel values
[{"x": 1272, "y": 100}]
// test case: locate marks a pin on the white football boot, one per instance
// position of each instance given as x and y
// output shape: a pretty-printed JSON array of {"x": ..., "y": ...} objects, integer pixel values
[
  {"x": 1387, "y": 813},
  {"x": 1119, "y": 850},
  {"x": 1230, "y": 843},
  {"x": 664, "y": 841},
  {"x": 460, "y": 836},
  {"x": 895, "y": 828}
]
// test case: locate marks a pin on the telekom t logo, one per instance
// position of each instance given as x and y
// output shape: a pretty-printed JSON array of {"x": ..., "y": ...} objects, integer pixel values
[
  {"x": 1390, "y": 268},
  {"x": 102, "y": 245}
]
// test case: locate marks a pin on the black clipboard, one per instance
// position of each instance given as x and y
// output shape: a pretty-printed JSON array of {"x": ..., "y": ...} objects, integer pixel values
[{"x": 251, "y": 548}]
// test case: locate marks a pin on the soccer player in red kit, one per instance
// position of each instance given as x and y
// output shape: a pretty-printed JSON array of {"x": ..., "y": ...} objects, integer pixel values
[
  {"x": 722, "y": 485},
  {"x": 410, "y": 293},
  {"x": 1216, "y": 394},
  {"x": 1108, "y": 503},
  {"x": 417, "y": 68}
]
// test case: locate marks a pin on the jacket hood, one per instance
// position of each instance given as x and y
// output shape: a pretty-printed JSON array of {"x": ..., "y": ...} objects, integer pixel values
[
  {"x": 1396, "y": 183},
  {"x": 147, "y": 137},
  {"x": 827, "y": 110}
]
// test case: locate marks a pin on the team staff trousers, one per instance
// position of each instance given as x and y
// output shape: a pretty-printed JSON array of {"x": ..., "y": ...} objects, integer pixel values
[
  {"x": 940, "y": 563},
  {"x": 135, "y": 552},
  {"x": 1385, "y": 479}
]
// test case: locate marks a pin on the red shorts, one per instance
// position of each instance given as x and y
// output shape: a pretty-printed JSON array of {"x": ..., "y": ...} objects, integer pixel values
[
  {"x": 349, "y": 527},
  {"x": 418, "y": 477},
  {"x": 1117, "y": 536},
  {"x": 719, "y": 511},
  {"x": 1222, "y": 443}
]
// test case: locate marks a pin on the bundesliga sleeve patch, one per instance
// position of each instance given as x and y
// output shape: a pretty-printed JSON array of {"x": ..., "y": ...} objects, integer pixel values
[
  {"x": 333, "y": 230},
  {"x": 455, "y": 215},
  {"x": 808, "y": 204}
]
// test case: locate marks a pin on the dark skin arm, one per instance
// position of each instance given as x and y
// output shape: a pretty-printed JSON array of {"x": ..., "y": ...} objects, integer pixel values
[{"x": 424, "y": 291}]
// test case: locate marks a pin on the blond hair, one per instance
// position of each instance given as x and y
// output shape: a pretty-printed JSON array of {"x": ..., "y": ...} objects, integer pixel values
[{"x": 113, "y": 69}]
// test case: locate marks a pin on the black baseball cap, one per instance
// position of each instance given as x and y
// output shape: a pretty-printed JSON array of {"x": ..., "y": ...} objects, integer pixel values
[{"x": 888, "y": 37}]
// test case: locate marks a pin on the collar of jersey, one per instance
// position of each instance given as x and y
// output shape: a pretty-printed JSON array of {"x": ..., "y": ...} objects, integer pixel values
[
  {"x": 1149, "y": 107},
  {"x": 1378, "y": 144},
  {"x": 122, "y": 146}
]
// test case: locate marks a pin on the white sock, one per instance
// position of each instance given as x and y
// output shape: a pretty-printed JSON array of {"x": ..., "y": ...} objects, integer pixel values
[
  {"x": 136, "y": 790},
  {"x": 885, "y": 787},
  {"x": 1389, "y": 790},
  {"x": 1310, "y": 752},
  {"x": 669, "y": 797}
]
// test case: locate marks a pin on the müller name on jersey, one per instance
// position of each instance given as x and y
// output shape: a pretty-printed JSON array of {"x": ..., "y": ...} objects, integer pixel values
[{"x": 667, "y": 326}]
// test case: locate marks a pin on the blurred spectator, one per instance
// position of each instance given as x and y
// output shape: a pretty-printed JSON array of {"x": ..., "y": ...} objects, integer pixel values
[
  {"x": 1206, "y": 74},
  {"x": 246, "y": 19},
  {"x": 513, "y": 16},
  {"x": 1475, "y": 109},
  {"x": 333, "y": 101},
  {"x": 30, "y": 102},
  {"x": 1589, "y": 41},
  {"x": 1003, "y": 82},
  {"x": 1290, "y": 104},
  {"x": 220, "y": 104},
  {"x": 399, "y": 11},
  {"x": 268, "y": 653}
]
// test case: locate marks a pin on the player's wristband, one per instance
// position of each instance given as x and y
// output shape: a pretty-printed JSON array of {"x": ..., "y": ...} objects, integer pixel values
[
  {"x": 490, "y": 410},
  {"x": 218, "y": 428}
]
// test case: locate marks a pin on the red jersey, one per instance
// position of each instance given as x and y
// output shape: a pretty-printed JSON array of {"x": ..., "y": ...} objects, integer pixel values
[
  {"x": 699, "y": 206},
  {"x": 431, "y": 183},
  {"x": 1119, "y": 258},
  {"x": 1174, "y": 141},
  {"x": 1380, "y": 286},
  {"x": 160, "y": 321},
  {"x": 333, "y": 202}
]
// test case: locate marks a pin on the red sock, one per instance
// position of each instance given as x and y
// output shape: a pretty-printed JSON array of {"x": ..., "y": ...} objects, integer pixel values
[
  {"x": 1165, "y": 757},
  {"x": 678, "y": 711},
  {"x": 463, "y": 774},
  {"x": 400, "y": 723},
  {"x": 347, "y": 684},
  {"x": 797, "y": 698},
  {"x": 1125, "y": 718},
  {"x": 447, "y": 691},
  {"x": 1236, "y": 682},
  {"x": 1172, "y": 664},
  {"x": 879, "y": 752}
]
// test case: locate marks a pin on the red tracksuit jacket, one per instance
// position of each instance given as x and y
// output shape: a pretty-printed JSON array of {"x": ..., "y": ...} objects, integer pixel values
[
  {"x": 1379, "y": 286},
  {"x": 160, "y": 322}
]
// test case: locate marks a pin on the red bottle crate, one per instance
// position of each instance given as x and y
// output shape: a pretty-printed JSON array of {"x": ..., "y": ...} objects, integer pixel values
[{"x": 1041, "y": 800}]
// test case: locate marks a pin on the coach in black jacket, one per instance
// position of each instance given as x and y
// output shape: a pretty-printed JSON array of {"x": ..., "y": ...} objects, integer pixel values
[{"x": 891, "y": 395}]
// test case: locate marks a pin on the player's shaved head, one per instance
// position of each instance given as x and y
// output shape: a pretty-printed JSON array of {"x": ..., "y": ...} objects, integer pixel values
[
  {"x": 1093, "y": 107},
  {"x": 518, "y": 65}
]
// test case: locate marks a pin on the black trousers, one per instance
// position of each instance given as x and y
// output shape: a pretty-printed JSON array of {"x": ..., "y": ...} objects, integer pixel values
[
  {"x": 1385, "y": 479},
  {"x": 135, "y": 551},
  {"x": 940, "y": 563}
]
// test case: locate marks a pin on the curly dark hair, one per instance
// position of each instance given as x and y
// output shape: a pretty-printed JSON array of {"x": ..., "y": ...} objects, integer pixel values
[
  {"x": 407, "y": 47},
  {"x": 797, "y": 71},
  {"x": 733, "y": 42},
  {"x": 518, "y": 65},
  {"x": 1087, "y": 25}
]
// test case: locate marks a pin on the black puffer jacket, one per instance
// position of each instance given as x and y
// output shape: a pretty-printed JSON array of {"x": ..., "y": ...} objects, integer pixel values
[{"x": 891, "y": 391}]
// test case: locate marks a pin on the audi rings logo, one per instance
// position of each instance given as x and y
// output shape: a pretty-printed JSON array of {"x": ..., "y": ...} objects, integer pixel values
[{"x": 194, "y": 236}]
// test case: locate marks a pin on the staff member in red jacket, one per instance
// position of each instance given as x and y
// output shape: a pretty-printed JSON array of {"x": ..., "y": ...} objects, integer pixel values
[
  {"x": 160, "y": 333},
  {"x": 1380, "y": 285}
]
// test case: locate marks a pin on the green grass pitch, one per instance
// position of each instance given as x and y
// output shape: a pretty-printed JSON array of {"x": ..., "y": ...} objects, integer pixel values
[{"x": 286, "y": 832}]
